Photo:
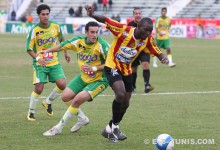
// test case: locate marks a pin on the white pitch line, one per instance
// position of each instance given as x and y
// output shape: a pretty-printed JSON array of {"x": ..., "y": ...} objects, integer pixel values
[{"x": 146, "y": 94}]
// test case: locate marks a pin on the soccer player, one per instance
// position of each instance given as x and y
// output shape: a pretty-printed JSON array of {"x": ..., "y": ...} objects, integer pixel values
[
  {"x": 162, "y": 36},
  {"x": 91, "y": 54},
  {"x": 127, "y": 44},
  {"x": 43, "y": 36},
  {"x": 143, "y": 57}
]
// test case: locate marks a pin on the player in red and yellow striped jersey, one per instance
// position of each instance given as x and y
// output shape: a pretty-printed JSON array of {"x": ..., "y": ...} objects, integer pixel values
[{"x": 128, "y": 42}]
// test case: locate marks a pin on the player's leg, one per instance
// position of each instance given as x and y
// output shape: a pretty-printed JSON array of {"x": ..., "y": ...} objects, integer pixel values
[
  {"x": 135, "y": 64},
  {"x": 169, "y": 55},
  {"x": 93, "y": 89},
  {"x": 39, "y": 78},
  {"x": 145, "y": 62},
  {"x": 116, "y": 82},
  {"x": 56, "y": 75}
]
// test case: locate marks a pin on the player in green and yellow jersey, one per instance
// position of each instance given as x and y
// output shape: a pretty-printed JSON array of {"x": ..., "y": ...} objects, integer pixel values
[
  {"x": 127, "y": 44},
  {"x": 163, "y": 24},
  {"x": 44, "y": 35},
  {"x": 91, "y": 54}
]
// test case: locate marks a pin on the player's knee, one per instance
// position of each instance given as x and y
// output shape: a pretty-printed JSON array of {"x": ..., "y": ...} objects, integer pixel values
[{"x": 120, "y": 96}]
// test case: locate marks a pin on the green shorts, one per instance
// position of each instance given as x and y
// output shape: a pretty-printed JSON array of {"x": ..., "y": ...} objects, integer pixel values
[
  {"x": 77, "y": 85},
  {"x": 163, "y": 43},
  {"x": 51, "y": 73}
]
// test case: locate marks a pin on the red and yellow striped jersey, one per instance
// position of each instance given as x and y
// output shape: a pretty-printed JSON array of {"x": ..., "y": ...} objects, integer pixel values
[{"x": 125, "y": 48}]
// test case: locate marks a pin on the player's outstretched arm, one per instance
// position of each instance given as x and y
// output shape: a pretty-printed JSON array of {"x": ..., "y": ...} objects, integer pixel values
[
  {"x": 90, "y": 13},
  {"x": 52, "y": 49},
  {"x": 163, "y": 59}
]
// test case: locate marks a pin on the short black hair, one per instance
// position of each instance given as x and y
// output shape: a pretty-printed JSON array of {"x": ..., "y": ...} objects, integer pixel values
[
  {"x": 42, "y": 7},
  {"x": 136, "y": 8},
  {"x": 91, "y": 24},
  {"x": 164, "y": 8}
]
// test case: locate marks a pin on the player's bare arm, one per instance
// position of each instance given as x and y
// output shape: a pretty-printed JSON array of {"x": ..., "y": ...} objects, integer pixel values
[
  {"x": 90, "y": 13},
  {"x": 52, "y": 49},
  {"x": 66, "y": 53},
  {"x": 38, "y": 59}
]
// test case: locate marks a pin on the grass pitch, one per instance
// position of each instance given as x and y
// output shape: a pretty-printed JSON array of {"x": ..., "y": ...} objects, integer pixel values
[{"x": 184, "y": 104}]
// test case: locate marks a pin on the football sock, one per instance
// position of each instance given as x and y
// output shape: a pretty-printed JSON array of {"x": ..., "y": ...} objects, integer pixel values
[
  {"x": 169, "y": 57},
  {"x": 53, "y": 95},
  {"x": 134, "y": 75},
  {"x": 146, "y": 76},
  {"x": 155, "y": 60},
  {"x": 116, "y": 110},
  {"x": 81, "y": 114},
  {"x": 33, "y": 102},
  {"x": 71, "y": 111}
]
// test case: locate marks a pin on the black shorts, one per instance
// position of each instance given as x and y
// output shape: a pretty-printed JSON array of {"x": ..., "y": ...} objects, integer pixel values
[
  {"x": 143, "y": 57},
  {"x": 113, "y": 75}
]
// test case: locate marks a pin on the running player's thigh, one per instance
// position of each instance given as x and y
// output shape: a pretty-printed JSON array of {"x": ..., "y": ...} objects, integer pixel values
[
  {"x": 56, "y": 72},
  {"x": 67, "y": 94},
  {"x": 39, "y": 74},
  {"x": 96, "y": 88}
]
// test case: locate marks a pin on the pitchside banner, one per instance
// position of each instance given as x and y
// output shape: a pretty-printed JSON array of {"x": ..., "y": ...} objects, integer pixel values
[
  {"x": 26, "y": 27},
  {"x": 178, "y": 31}
]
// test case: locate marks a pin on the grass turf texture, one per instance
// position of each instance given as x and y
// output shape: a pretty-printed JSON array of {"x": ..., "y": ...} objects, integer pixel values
[{"x": 182, "y": 115}]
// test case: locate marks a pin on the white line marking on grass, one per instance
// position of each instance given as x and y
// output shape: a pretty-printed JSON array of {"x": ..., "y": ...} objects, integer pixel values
[{"x": 146, "y": 94}]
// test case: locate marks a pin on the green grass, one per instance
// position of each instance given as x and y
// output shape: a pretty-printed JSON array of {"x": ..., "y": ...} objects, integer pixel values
[{"x": 184, "y": 116}]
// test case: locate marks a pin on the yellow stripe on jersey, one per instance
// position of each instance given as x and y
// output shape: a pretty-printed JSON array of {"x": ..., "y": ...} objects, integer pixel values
[{"x": 163, "y": 25}]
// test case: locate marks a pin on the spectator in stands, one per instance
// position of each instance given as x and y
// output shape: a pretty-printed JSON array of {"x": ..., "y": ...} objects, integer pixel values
[
  {"x": 95, "y": 7},
  {"x": 163, "y": 25},
  {"x": 216, "y": 1},
  {"x": 105, "y": 2},
  {"x": 110, "y": 4},
  {"x": 113, "y": 17},
  {"x": 118, "y": 18},
  {"x": 200, "y": 28},
  {"x": 71, "y": 11},
  {"x": 23, "y": 18},
  {"x": 78, "y": 12},
  {"x": 99, "y": 4},
  {"x": 30, "y": 18},
  {"x": 13, "y": 15}
]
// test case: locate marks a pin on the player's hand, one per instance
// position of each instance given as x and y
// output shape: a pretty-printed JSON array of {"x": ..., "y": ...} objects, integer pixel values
[
  {"x": 41, "y": 52},
  {"x": 89, "y": 10},
  {"x": 87, "y": 69},
  {"x": 67, "y": 57},
  {"x": 42, "y": 62},
  {"x": 164, "y": 61}
]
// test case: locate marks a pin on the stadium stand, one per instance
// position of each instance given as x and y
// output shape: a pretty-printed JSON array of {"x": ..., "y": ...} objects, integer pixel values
[{"x": 206, "y": 8}]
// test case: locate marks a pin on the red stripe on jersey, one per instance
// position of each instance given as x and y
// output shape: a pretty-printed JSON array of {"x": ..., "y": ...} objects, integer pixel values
[{"x": 152, "y": 46}]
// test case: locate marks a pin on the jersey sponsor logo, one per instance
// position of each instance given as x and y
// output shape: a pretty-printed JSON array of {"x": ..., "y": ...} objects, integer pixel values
[
  {"x": 48, "y": 41},
  {"x": 39, "y": 33},
  {"x": 123, "y": 58},
  {"x": 87, "y": 58},
  {"x": 128, "y": 52},
  {"x": 140, "y": 44}
]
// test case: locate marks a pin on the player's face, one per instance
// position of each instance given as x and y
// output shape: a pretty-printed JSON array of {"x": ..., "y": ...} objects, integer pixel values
[
  {"x": 145, "y": 30},
  {"x": 92, "y": 34},
  {"x": 164, "y": 12},
  {"x": 137, "y": 15},
  {"x": 44, "y": 17}
]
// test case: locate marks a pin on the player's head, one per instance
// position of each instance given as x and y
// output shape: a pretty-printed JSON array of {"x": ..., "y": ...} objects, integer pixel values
[
  {"x": 43, "y": 12},
  {"x": 144, "y": 28},
  {"x": 137, "y": 13},
  {"x": 163, "y": 11},
  {"x": 92, "y": 31}
]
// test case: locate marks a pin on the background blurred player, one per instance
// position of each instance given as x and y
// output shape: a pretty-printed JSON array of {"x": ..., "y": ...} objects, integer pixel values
[
  {"x": 143, "y": 57},
  {"x": 162, "y": 36},
  {"x": 91, "y": 54},
  {"x": 47, "y": 67},
  {"x": 128, "y": 42}
]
